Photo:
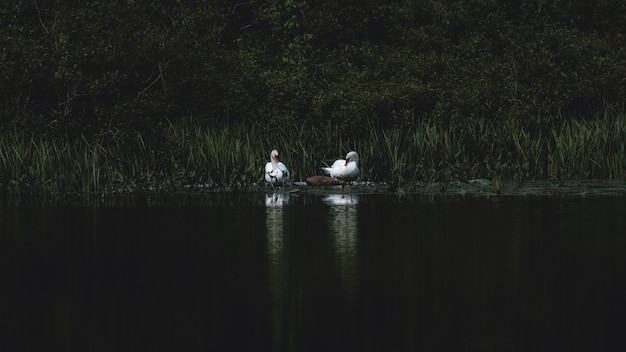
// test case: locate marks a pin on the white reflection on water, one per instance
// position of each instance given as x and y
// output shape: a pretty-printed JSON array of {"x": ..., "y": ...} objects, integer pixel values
[
  {"x": 343, "y": 217},
  {"x": 276, "y": 276},
  {"x": 343, "y": 221},
  {"x": 274, "y": 220}
]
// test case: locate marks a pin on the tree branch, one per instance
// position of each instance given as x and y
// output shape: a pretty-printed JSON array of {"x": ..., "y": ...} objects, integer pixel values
[
  {"x": 160, "y": 77},
  {"x": 40, "y": 20}
]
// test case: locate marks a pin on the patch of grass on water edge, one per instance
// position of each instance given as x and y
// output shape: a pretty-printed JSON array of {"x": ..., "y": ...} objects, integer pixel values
[{"x": 234, "y": 157}]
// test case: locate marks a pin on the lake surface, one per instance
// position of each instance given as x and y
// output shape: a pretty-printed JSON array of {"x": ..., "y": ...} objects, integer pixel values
[{"x": 316, "y": 272}]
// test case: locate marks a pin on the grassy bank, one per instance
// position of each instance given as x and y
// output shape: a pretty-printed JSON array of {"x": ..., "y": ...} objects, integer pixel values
[{"x": 234, "y": 157}]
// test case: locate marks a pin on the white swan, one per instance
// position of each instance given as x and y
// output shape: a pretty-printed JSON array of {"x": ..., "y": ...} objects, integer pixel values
[
  {"x": 346, "y": 170},
  {"x": 276, "y": 172}
]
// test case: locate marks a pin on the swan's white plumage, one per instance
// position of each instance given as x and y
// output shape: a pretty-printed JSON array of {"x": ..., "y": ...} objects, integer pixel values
[
  {"x": 347, "y": 170},
  {"x": 276, "y": 173}
]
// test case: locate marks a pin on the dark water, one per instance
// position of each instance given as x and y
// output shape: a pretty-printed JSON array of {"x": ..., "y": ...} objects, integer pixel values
[{"x": 306, "y": 272}]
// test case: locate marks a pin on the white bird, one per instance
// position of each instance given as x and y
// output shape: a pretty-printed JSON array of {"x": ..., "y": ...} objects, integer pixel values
[
  {"x": 276, "y": 172},
  {"x": 346, "y": 170}
]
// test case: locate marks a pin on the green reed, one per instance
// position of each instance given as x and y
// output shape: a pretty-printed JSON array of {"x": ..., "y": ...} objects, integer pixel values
[
  {"x": 234, "y": 157},
  {"x": 590, "y": 149}
]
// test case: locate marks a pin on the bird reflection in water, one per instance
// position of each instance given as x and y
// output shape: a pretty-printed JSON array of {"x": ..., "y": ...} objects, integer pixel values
[
  {"x": 274, "y": 209},
  {"x": 277, "y": 284},
  {"x": 343, "y": 221}
]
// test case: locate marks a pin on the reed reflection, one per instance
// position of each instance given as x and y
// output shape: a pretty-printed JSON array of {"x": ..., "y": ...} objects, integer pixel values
[{"x": 343, "y": 221}]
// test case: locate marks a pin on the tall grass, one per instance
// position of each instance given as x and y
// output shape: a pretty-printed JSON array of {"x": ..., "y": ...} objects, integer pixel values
[{"x": 234, "y": 156}]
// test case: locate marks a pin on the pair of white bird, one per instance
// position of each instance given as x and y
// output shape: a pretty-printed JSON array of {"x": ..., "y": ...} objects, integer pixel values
[{"x": 277, "y": 173}]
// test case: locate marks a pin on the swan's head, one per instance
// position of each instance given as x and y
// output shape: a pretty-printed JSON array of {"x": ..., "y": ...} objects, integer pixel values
[
  {"x": 274, "y": 156},
  {"x": 352, "y": 156}
]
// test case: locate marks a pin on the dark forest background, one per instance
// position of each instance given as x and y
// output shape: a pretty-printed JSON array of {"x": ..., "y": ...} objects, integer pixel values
[{"x": 85, "y": 68}]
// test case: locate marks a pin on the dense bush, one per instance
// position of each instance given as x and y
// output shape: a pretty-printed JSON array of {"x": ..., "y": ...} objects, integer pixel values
[{"x": 94, "y": 68}]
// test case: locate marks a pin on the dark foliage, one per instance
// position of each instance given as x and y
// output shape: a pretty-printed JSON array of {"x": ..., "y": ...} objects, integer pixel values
[{"x": 93, "y": 68}]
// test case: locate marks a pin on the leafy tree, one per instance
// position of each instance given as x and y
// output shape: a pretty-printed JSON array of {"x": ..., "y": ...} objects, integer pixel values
[{"x": 98, "y": 68}]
